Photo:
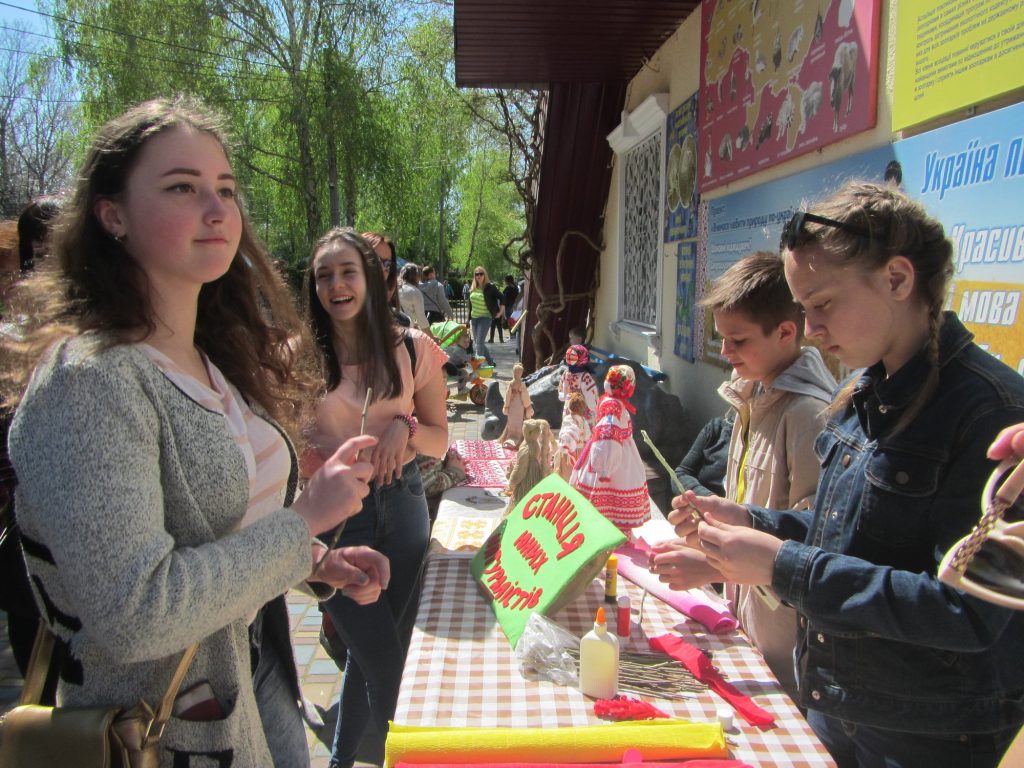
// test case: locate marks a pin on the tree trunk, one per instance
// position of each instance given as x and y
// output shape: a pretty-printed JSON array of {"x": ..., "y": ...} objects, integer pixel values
[
  {"x": 476, "y": 221},
  {"x": 332, "y": 178},
  {"x": 351, "y": 190},
  {"x": 440, "y": 230}
]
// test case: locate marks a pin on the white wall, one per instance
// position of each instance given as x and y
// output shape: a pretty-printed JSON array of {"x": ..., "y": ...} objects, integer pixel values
[{"x": 675, "y": 69}]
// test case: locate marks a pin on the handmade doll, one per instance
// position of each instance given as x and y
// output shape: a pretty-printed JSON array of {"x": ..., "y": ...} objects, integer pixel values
[
  {"x": 573, "y": 435},
  {"x": 609, "y": 471},
  {"x": 517, "y": 407},
  {"x": 529, "y": 466},
  {"x": 578, "y": 378}
]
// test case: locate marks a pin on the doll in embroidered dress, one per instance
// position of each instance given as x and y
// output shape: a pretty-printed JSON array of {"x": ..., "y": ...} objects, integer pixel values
[
  {"x": 578, "y": 378},
  {"x": 517, "y": 407},
  {"x": 573, "y": 435},
  {"x": 609, "y": 471}
]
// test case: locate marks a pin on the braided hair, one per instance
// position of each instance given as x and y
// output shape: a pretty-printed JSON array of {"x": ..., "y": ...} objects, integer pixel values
[{"x": 886, "y": 223}]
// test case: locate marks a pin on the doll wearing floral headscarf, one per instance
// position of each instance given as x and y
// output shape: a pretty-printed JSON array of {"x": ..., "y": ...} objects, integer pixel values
[
  {"x": 578, "y": 378},
  {"x": 609, "y": 472}
]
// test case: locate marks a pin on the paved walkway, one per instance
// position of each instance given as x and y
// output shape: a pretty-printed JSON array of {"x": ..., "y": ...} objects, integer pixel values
[{"x": 321, "y": 679}]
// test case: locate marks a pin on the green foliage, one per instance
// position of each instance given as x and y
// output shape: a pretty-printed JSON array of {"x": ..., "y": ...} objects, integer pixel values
[
  {"x": 490, "y": 214},
  {"x": 341, "y": 113}
]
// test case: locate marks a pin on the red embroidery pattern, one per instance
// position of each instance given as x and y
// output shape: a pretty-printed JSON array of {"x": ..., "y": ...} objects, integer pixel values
[
  {"x": 609, "y": 407},
  {"x": 611, "y": 432}
]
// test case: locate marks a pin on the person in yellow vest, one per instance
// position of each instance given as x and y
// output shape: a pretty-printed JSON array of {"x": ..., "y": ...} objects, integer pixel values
[{"x": 779, "y": 391}]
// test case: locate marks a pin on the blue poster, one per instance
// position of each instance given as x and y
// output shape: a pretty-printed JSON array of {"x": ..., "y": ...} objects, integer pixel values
[
  {"x": 681, "y": 172},
  {"x": 969, "y": 175},
  {"x": 686, "y": 271}
]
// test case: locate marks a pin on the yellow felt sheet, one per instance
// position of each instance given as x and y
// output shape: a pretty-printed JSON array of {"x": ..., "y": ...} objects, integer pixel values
[{"x": 655, "y": 739}]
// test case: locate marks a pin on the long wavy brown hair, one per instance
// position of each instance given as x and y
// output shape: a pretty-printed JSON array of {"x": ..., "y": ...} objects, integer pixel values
[
  {"x": 246, "y": 321},
  {"x": 375, "y": 325}
]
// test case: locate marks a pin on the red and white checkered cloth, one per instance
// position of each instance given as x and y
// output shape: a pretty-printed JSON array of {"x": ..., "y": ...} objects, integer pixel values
[{"x": 462, "y": 672}]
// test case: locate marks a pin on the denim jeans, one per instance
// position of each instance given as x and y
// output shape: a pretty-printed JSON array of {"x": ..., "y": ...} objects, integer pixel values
[
  {"x": 858, "y": 746},
  {"x": 279, "y": 711},
  {"x": 496, "y": 323},
  {"x": 481, "y": 325},
  {"x": 393, "y": 521}
]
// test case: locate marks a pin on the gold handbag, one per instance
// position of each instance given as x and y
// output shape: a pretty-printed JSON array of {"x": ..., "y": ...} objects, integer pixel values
[
  {"x": 989, "y": 562},
  {"x": 34, "y": 736}
]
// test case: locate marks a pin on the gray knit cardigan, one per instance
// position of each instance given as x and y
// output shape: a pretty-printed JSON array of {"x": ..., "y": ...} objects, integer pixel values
[{"x": 129, "y": 499}]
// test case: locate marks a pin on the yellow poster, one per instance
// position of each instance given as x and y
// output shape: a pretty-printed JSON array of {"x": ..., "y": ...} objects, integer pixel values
[
  {"x": 992, "y": 312},
  {"x": 954, "y": 53}
]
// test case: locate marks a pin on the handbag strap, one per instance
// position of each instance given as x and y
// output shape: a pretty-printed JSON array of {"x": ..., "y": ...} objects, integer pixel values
[
  {"x": 39, "y": 665},
  {"x": 163, "y": 714}
]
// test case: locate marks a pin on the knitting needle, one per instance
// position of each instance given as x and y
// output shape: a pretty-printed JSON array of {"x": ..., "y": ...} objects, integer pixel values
[
  {"x": 341, "y": 526},
  {"x": 696, "y": 513}
]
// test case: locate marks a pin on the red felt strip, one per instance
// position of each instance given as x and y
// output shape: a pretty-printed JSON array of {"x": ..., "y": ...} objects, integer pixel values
[{"x": 700, "y": 666}]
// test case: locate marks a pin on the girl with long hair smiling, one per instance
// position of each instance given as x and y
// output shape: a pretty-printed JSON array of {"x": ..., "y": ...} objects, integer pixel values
[{"x": 363, "y": 349}]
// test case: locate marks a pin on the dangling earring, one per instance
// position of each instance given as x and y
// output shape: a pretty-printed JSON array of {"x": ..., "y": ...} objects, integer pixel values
[{"x": 119, "y": 238}]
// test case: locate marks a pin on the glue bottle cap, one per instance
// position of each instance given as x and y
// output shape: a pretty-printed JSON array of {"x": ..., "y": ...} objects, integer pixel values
[{"x": 600, "y": 616}]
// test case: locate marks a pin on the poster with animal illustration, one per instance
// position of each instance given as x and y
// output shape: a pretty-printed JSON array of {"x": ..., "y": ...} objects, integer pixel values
[
  {"x": 681, "y": 172},
  {"x": 779, "y": 79}
]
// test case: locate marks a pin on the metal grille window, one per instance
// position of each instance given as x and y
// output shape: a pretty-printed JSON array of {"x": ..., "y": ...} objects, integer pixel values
[{"x": 641, "y": 229}]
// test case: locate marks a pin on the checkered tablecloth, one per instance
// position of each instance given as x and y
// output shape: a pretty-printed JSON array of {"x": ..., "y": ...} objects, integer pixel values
[{"x": 461, "y": 671}]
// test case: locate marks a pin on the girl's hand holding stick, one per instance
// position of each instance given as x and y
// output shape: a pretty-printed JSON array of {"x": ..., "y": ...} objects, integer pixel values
[{"x": 341, "y": 526}]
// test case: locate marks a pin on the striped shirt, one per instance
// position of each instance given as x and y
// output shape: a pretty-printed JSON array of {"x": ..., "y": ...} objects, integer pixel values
[
  {"x": 264, "y": 451},
  {"x": 478, "y": 304}
]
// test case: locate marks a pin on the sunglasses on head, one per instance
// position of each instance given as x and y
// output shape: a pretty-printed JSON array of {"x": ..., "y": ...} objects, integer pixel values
[
  {"x": 478, "y": 274},
  {"x": 989, "y": 562},
  {"x": 791, "y": 232}
]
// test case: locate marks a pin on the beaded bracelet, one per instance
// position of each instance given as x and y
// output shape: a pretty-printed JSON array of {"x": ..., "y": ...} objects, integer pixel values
[{"x": 410, "y": 422}]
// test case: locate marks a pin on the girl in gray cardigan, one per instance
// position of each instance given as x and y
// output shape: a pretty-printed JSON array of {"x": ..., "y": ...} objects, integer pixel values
[{"x": 156, "y": 497}]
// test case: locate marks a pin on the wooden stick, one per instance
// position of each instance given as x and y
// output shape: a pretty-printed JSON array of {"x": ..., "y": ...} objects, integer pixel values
[
  {"x": 673, "y": 478},
  {"x": 341, "y": 526}
]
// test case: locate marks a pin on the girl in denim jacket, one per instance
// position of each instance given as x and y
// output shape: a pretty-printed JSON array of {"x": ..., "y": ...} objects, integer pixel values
[{"x": 894, "y": 667}]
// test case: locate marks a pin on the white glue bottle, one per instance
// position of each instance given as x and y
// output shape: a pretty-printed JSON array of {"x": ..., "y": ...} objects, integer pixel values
[{"x": 599, "y": 661}]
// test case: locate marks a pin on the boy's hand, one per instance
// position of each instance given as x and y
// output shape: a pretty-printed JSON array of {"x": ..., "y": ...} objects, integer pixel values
[
  {"x": 681, "y": 566},
  {"x": 741, "y": 554},
  {"x": 683, "y": 518}
]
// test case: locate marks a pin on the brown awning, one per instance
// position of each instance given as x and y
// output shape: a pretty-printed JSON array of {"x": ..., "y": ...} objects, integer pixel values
[{"x": 535, "y": 43}]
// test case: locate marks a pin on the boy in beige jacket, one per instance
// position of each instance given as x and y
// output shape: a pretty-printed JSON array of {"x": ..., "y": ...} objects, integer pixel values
[{"x": 779, "y": 391}]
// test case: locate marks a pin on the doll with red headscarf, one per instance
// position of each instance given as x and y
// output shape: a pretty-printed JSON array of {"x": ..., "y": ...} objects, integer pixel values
[
  {"x": 578, "y": 378},
  {"x": 609, "y": 472}
]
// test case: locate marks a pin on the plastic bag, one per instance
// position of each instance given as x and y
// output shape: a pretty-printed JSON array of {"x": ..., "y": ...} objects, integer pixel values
[{"x": 543, "y": 652}]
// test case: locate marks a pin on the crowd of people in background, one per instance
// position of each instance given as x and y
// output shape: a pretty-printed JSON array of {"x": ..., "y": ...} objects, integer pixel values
[
  {"x": 186, "y": 445},
  {"x": 142, "y": 330}
]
